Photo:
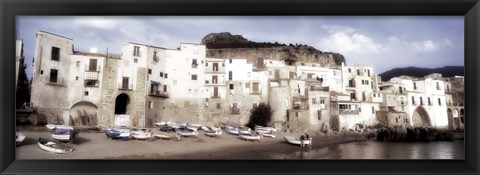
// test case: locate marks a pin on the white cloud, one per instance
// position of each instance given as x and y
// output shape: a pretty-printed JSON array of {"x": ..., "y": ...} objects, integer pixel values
[
  {"x": 345, "y": 40},
  {"x": 95, "y": 22},
  {"x": 396, "y": 45}
]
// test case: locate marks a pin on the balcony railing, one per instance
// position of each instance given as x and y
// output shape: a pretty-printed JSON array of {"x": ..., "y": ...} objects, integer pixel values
[
  {"x": 348, "y": 112},
  {"x": 91, "y": 75},
  {"x": 121, "y": 87},
  {"x": 87, "y": 69},
  {"x": 159, "y": 94}
]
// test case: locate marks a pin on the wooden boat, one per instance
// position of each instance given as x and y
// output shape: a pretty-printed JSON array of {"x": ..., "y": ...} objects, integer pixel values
[
  {"x": 63, "y": 134},
  {"x": 141, "y": 134},
  {"x": 122, "y": 134},
  {"x": 165, "y": 136},
  {"x": 250, "y": 137},
  {"x": 214, "y": 133},
  {"x": 161, "y": 124},
  {"x": 206, "y": 129},
  {"x": 52, "y": 126},
  {"x": 54, "y": 146},
  {"x": 184, "y": 132},
  {"x": 213, "y": 128},
  {"x": 269, "y": 135},
  {"x": 295, "y": 141},
  {"x": 232, "y": 130},
  {"x": 245, "y": 131},
  {"x": 19, "y": 137},
  {"x": 263, "y": 128}
]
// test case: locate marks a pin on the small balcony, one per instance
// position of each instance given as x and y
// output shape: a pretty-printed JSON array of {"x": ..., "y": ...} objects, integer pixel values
[
  {"x": 348, "y": 112},
  {"x": 159, "y": 94},
  {"x": 125, "y": 87}
]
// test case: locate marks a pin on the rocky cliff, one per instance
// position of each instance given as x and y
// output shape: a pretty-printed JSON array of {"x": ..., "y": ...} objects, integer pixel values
[{"x": 226, "y": 45}]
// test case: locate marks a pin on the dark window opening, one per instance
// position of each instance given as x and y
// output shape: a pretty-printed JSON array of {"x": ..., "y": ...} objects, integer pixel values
[
  {"x": 194, "y": 77},
  {"x": 91, "y": 83},
  {"x": 55, "y": 53},
  {"x": 149, "y": 71},
  {"x": 92, "y": 66},
  {"x": 194, "y": 63},
  {"x": 86, "y": 93},
  {"x": 230, "y": 75},
  {"x": 53, "y": 75}
]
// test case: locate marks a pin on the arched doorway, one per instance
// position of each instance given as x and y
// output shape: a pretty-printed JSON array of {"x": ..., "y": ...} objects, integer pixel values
[
  {"x": 456, "y": 118},
  {"x": 83, "y": 113},
  {"x": 420, "y": 117},
  {"x": 121, "y": 104},
  {"x": 451, "y": 124}
]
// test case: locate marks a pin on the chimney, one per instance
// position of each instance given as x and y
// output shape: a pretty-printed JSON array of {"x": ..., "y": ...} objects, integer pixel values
[{"x": 93, "y": 50}]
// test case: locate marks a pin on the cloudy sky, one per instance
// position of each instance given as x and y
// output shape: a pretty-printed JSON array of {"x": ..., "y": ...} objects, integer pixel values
[{"x": 382, "y": 42}]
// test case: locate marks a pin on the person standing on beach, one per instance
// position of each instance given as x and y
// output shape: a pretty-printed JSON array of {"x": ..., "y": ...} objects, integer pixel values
[{"x": 302, "y": 140}]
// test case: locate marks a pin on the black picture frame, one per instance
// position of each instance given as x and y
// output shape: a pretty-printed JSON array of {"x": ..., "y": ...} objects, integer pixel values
[{"x": 470, "y": 9}]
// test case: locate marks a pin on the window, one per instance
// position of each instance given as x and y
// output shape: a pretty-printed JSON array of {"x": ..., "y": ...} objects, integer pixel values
[
  {"x": 255, "y": 88},
  {"x": 358, "y": 71},
  {"x": 166, "y": 75},
  {"x": 439, "y": 102},
  {"x": 413, "y": 100},
  {"x": 149, "y": 71},
  {"x": 223, "y": 64},
  {"x": 53, "y": 75},
  {"x": 136, "y": 51},
  {"x": 314, "y": 101},
  {"x": 86, "y": 93},
  {"x": 92, "y": 66},
  {"x": 206, "y": 64},
  {"x": 161, "y": 74},
  {"x": 351, "y": 83},
  {"x": 78, "y": 63},
  {"x": 155, "y": 58},
  {"x": 343, "y": 106},
  {"x": 247, "y": 85},
  {"x": 230, "y": 75},
  {"x": 292, "y": 75},
  {"x": 206, "y": 81},
  {"x": 194, "y": 63},
  {"x": 135, "y": 60},
  {"x": 322, "y": 101},
  {"x": 421, "y": 100},
  {"x": 414, "y": 86},
  {"x": 215, "y": 67},
  {"x": 230, "y": 61},
  {"x": 349, "y": 70},
  {"x": 55, "y": 53},
  {"x": 373, "y": 110},
  {"x": 150, "y": 104},
  {"x": 438, "y": 86},
  {"x": 214, "y": 79},
  {"x": 429, "y": 102},
  {"x": 164, "y": 88},
  {"x": 194, "y": 77},
  {"x": 76, "y": 78},
  {"x": 231, "y": 86},
  {"x": 368, "y": 72},
  {"x": 219, "y": 106},
  {"x": 125, "y": 83},
  {"x": 352, "y": 96}
]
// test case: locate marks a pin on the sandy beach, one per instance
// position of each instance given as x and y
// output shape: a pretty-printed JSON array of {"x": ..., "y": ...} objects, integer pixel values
[{"x": 95, "y": 145}]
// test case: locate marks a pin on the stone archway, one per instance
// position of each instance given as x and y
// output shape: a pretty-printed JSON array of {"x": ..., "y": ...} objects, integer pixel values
[
  {"x": 121, "y": 104},
  {"x": 420, "y": 117},
  {"x": 451, "y": 122},
  {"x": 83, "y": 113}
]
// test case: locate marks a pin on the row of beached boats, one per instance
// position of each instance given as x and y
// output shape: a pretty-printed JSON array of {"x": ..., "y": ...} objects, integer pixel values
[{"x": 167, "y": 131}]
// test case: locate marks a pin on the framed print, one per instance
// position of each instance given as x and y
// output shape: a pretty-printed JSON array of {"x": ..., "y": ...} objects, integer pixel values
[{"x": 244, "y": 86}]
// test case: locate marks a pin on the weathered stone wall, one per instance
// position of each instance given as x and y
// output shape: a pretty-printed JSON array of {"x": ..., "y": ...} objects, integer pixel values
[
  {"x": 298, "y": 121},
  {"x": 392, "y": 118},
  {"x": 280, "y": 101}
]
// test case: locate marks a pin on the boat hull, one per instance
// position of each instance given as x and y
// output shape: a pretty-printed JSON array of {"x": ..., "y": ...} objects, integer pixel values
[{"x": 54, "y": 146}]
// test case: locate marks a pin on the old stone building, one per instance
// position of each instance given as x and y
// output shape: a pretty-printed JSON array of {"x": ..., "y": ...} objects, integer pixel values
[{"x": 146, "y": 84}]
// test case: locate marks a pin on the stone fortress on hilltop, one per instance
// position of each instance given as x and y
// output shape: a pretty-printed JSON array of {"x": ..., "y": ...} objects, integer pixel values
[{"x": 220, "y": 80}]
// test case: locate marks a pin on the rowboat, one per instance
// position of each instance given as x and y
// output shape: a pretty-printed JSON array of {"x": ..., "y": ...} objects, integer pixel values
[
  {"x": 141, "y": 134},
  {"x": 213, "y": 128},
  {"x": 63, "y": 134},
  {"x": 295, "y": 141},
  {"x": 250, "y": 137},
  {"x": 186, "y": 132},
  {"x": 206, "y": 129},
  {"x": 165, "y": 136},
  {"x": 19, "y": 137},
  {"x": 214, "y": 133},
  {"x": 232, "y": 130},
  {"x": 121, "y": 134},
  {"x": 54, "y": 146},
  {"x": 266, "y": 129},
  {"x": 52, "y": 126}
]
